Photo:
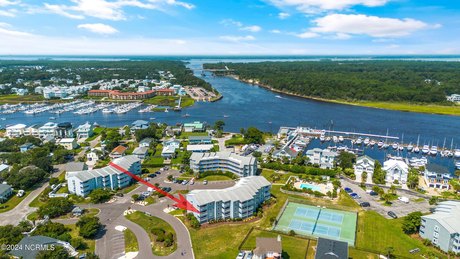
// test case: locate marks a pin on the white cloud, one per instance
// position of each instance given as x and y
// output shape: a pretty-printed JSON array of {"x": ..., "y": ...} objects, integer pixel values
[
  {"x": 308, "y": 35},
  {"x": 275, "y": 31},
  {"x": 8, "y": 2},
  {"x": 283, "y": 15},
  {"x": 8, "y": 13},
  {"x": 109, "y": 10},
  {"x": 98, "y": 28},
  {"x": 342, "y": 36},
  {"x": 240, "y": 25},
  {"x": 237, "y": 38},
  {"x": 359, "y": 24},
  {"x": 312, "y": 6},
  {"x": 7, "y": 31},
  {"x": 253, "y": 28}
]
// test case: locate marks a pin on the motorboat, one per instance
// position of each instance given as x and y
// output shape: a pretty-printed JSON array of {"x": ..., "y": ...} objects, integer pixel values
[
  {"x": 359, "y": 141},
  {"x": 322, "y": 138},
  {"x": 434, "y": 150},
  {"x": 380, "y": 144},
  {"x": 385, "y": 146},
  {"x": 335, "y": 139},
  {"x": 340, "y": 138},
  {"x": 457, "y": 165},
  {"x": 425, "y": 149},
  {"x": 328, "y": 139},
  {"x": 372, "y": 143},
  {"x": 416, "y": 149},
  {"x": 457, "y": 153},
  {"x": 401, "y": 148},
  {"x": 107, "y": 111},
  {"x": 395, "y": 146},
  {"x": 366, "y": 141},
  {"x": 410, "y": 147}
]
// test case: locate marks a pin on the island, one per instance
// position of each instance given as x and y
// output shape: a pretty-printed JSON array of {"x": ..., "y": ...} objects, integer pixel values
[{"x": 415, "y": 86}]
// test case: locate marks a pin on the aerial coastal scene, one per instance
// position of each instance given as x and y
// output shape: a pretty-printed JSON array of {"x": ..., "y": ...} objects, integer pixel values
[{"x": 245, "y": 129}]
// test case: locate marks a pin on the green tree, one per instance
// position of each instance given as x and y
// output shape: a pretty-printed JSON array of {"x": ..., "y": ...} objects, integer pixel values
[
  {"x": 433, "y": 200},
  {"x": 253, "y": 135},
  {"x": 411, "y": 223},
  {"x": 219, "y": 125},
  {"x": 58, "y": 253},
  {"x": 413, "y": 178},
  {"x": 100, "y": 195},
  {"x": 55, "y": 207},
  {"x": 346, "y": 160},
  {"x": 88, "y": 226},
  {"x": 379, "y": 175},
  {"x": 26, "y": 177}
]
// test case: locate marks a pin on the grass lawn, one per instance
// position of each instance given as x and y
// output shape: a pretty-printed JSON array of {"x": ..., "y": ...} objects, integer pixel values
[
  {"x": 131, "y": 244},
  {"x": 91, "y": 243},
  {"x": 215, "y": 178},
  {"x": 130, "y": 188},
  {"x": 235, "y": 141},
  {"x": 409, "y": 107},
  {"x": 185, "y": 135},
  {"x": 293, "y": 247},
  {"x": 13, "y": 98},
  {"x": 170, "y": 101},
  {"x": 150, "y": 222},
  {"x": 376, "y": 233},
  {"x": 12, "y": 202}
]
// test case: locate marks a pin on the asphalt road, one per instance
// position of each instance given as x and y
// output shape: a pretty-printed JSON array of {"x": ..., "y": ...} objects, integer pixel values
[{"x": 400, "y": 208}]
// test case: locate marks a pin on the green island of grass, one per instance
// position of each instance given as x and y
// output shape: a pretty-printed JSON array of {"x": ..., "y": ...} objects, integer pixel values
[
  {"x": 131, "y": 244},
  {"x": 149, "y": 224}
]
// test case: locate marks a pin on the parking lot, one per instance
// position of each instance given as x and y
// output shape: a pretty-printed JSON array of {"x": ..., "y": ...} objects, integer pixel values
[{"x": 400, "y": 208}]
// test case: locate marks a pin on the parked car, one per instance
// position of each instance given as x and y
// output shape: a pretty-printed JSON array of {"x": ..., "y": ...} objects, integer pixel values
[
  {"x": 365, "y": 204},
  {"x": 179, "y": 181},
  {"x": 205, "y": 182},
  {"x": 372, "y": 193},
  {"x": 403, "y": 199},
  {"x": 348, "y": 190},
  {"x": 184, "y": 182},
  {"x": 240, "y": 255},
  {"x": 152, "y": 175},
  {"x": 355, "y": 195},
  {"x": 119, "y": 194},
  {"x": 249, "y": 255},
  {"x": 158, "y": 172},
  {"x": 392, "y": 214},
  {"x": 166, "y": 189}
]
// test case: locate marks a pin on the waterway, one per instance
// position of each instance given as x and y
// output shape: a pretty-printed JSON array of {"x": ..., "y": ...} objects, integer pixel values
[{"x": 244, "y": 105}]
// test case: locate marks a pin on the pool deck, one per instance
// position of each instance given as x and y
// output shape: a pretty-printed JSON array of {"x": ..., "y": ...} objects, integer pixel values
[{"x": 323, "y": 188}]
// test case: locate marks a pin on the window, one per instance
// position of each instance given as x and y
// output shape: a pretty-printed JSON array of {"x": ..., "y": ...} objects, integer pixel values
[
  {"x": 435, "y": 240},
  {"x": 436, "y": 234},
  {"x": 436, "y": 228}
]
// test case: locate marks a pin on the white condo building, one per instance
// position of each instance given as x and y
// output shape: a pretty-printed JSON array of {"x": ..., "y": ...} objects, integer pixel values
[
  {"x": 48, "y": 130},
  {"x": 442, "y": 227},
  {"x": 364, "y": 164},
  {"x": 396, "y": 170},
  {"x": 82, "y": 183},
  {"x": 239, "y": 201},
  {"x": 15, "y": 130},
  {"x": 223, "y": 161}
]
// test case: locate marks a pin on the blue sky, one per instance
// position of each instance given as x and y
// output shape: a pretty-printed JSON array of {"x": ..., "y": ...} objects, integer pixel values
[{"x": 240, "y": 27}]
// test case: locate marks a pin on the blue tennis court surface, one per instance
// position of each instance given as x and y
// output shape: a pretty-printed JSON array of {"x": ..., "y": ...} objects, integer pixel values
[{"x": 319, "y": 222}]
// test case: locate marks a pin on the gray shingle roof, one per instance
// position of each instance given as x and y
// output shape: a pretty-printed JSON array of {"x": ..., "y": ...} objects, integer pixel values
[
  {"x": 447, "y": 213},
  {"x": 243, "y": 190},
  {"x": 32, "y": 241},
  {"x": 331, "y": 249},
  {"x": 242, "y": 160}
]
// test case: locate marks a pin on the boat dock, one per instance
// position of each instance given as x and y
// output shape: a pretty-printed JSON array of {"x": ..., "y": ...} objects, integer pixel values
[{"x": 361, "y": 134}]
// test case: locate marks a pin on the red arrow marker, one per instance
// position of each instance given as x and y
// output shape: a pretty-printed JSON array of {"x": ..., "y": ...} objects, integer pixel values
[{"x": 181, "y": 202}]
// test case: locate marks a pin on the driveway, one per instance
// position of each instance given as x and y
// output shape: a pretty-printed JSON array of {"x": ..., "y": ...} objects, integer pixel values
[{"x": 400, "y": 208}]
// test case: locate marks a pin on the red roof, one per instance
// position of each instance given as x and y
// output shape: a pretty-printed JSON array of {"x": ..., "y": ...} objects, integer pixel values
[
  {"x": 165, "y": 90},
  {"x": 119, "y": 150},
  {"x": 100, "y": 91}
]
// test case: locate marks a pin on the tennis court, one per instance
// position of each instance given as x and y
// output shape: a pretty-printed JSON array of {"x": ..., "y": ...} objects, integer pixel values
[{"x": 320, "y": 222}]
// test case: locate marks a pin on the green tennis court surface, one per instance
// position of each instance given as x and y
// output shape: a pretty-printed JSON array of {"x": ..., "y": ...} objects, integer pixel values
[{"x": 319, "y": 222}]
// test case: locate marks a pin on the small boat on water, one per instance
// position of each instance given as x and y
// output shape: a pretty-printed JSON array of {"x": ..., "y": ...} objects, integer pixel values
[
  {"x": 186, "y": 115},
  {"x": 340, "y": 138},
  {"x": 401, "y": 148},
  {"x": 457, "y": 153},
  {"x": 107, "y": 111},
  {"x": 166, "y": 110},
  {"x": 410, "y": 147},
  {"x": 416, "y": 149},
  {"x": 385, "y": 146},
  {"x": 152, "y": 118},
  {"x": 425, "y": 149},
  {"x": 226, "y": 116},
  {"x": 366, "y": 141},
  {"x": 457, "y": 165},
  {"x": 380, "y": 144},
  {"x": 434, "y": 150},
  {"x": 328, "y": 139},
  {"x": 322, "y": 138},
  {"x": 395, "y": 146},
  {"x": 278, "y": 96},
  {"x": 335, "y": 139},
  {"x": 372, "y": 143},
  {"x": 359, "y": 141},
  {"x": 52, "y": 118}
]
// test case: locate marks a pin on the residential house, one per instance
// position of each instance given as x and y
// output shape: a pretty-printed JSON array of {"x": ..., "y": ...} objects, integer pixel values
[
  {"x": 171, "y": 143},
  {"x": 287, "y": 152},
  {"x": 64, "y": 130},
  {"x": 396, "y": 170},
  {"x": 68, "y": 143},
  {"x": 224, "y": 161},
  {"x": 139, "y": 124},
  {"x": 75, "y": 166},
  {"x": 268, "y": 248},
  {"x": 364, "y": 164},
  {"x": 82, "y": 183},
  {"x": 32, "y": 131},
  {"x": 322, "y": 157},
  {"x": 194, "y": 127},
  {"x": 442, "y": 227},
  {"x": 85, "y": 130},
  {"x": 239, "y": 201},
  {"x": 168, "y": 152},
  {"x": 328, "y": 249},
  {"x": 5, "y": 192},
  {"x": 15, "y": 130},
  {"x": 26, "y": 147},
  {"x": 49, "y": 129},
  {"x": 141, "y": 152},
  {"x": 199, "y": 140},
  {"x": 118, "y": 152},
  {"x": 437, "y": 177},
  {"x": 200, "y": 148},
  {"x": 30, "y": 246},
  {"x": 4, "y": 167},
  {"x": 145, "y": 142}
]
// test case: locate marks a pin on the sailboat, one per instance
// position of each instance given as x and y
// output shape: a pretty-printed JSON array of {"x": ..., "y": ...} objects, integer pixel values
[{"x": 416, "y": 148}]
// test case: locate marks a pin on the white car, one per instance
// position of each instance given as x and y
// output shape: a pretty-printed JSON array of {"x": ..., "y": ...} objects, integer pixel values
[{"x": 240, "y": 255}]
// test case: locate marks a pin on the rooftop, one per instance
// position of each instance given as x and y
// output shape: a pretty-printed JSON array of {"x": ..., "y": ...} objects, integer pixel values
[
  {"x": 331, "y": 249},
  {"x": 242, "y": 160},
  {"x": 243, "y": 190},
  {"x": 119, "y": 149},
  {"x": 266, "y": 245},
  {"x": 447, "y": 213}
]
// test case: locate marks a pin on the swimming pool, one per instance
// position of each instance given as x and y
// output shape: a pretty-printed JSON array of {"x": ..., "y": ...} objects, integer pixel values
[{"x": 310, "y": 186}]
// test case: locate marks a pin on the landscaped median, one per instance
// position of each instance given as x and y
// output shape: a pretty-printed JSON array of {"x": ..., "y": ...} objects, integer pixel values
[{"x": 162, "y": 235}]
